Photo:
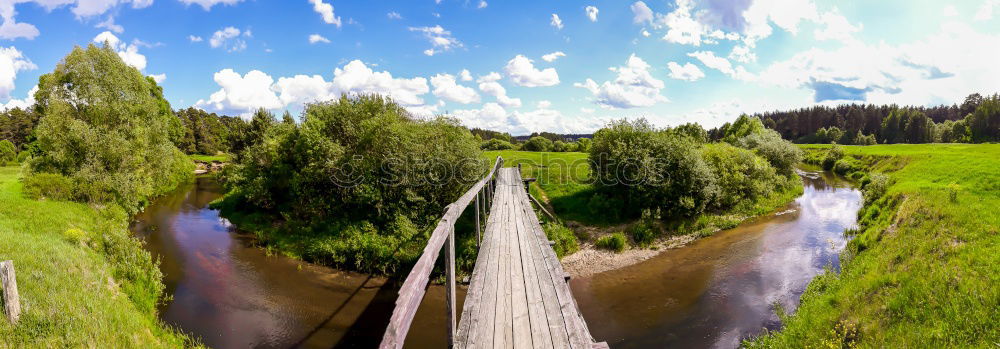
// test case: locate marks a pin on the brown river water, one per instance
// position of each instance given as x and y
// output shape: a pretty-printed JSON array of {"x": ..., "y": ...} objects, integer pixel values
[{"x": 709, "y": 294}]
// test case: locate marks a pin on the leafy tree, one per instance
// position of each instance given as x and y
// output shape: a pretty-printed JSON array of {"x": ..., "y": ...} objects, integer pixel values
[
  {"x": 16, "y": 125},
  {"x": 204, "y": 133},
  {"x": 984, "y": 122},
  {"x": 496, "y": 144},
  {"x": 741, "y": 174},
  {"x": 559, "y": 146},
  {"x": 107, "y": 128},
  {"x": 583, "y": 145},
  {"x": 743, "y": 126},
  {"x": 650, "y": 169},
  {"x": 693, "y": 130},
  {"x": 538, "y": 143},
  {"x": 862, "y": 139},
  {"x": 490, "y": 134},
  {"x": 971, "y": 103},
  {"x": 8, "y": 153}
]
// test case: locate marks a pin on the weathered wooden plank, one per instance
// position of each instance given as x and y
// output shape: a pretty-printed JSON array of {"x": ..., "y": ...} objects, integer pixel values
[
  {"x": 558, "y": 328},
  {"x": 579, "y": 335},
  {"x": 11, "y": 300},
  {"x": 519, "y": 302},
  {"x": 540, "y": 335},
  {"x": 503, "y": 330},
  {"x": 484, "y": 311}
]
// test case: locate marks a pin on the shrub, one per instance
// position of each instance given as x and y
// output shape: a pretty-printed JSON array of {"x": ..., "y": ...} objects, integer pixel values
[
  {"x": 565, "y": 240},
  {"x": 650, "y": 169},
  {"x": 538, "y": 143},
  {"x": 50, "y": 186},
  {"x": 496, "y": 144},
  {"x": 741, "y": 175},
  {"x": 781, "y": 154},
  {"x": 118, "y": 148},
  {"x": 876, "y": 187},
  {"x": 614, "y": 242},
  {"x": 559, "y": 146},
  {"x": 75, "y": 236},
  {"x": 644, "y": 233},
  {"x": 23, "y": 156},
  {"x": 846, "y": 166},
  {"x": 832, "y": 156},
  {"x": 8, "y": 153}
]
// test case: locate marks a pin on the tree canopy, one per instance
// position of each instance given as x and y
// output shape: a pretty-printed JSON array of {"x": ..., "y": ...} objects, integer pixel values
[{"x": 108, "y": 129}]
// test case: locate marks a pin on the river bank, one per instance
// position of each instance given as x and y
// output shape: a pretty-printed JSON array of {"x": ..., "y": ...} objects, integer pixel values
[
  {"x": 921, "y": 267},
  {"x": 83, "y": 281}
]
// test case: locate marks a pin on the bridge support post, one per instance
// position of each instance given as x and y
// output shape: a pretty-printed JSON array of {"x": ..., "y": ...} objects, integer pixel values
[
  {"x": 11, "y": 301},
  {"x": 450, "y": 285}
]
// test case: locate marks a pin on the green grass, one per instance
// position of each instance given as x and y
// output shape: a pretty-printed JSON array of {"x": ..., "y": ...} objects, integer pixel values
[
  {"x": 923, "y": 269},
  {"x": 82, "y": 279},
  {"x": 209, "y": 158},
  {"x": 614, "y": 242},
  {"x": 562, "y": 181}
]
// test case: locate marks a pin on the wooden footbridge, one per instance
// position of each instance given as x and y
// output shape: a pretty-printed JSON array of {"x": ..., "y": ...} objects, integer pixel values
[{"x": 518, "y": 295}]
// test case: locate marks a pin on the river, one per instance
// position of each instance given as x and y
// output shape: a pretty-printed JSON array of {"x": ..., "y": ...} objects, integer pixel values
[{"x": 713, "y": 292}]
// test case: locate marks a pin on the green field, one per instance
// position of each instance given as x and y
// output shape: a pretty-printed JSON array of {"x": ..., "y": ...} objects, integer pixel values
[
  {"x": 209, "y": 158},
  {"x": 92, "y": 287},
  {"x": 922, "y": 269}
]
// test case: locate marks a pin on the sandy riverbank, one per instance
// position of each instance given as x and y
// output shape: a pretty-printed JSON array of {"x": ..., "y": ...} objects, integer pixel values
[{"x": 591, "y": 260}]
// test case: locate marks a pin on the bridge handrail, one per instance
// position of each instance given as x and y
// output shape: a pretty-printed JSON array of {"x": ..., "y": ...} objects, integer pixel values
[{"x": 415, "y": 285}]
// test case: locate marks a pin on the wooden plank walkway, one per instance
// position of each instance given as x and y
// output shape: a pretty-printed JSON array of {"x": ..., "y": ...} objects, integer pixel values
[{"x": 519, "y": 296}]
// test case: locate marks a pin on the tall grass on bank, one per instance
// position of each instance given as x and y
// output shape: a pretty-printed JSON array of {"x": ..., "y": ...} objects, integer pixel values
[
  {"x": 922, "y": 267},
  {"x": 83, "y": 280}
]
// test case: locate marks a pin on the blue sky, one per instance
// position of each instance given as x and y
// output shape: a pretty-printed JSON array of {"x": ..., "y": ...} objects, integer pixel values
[{"x": 511, "y": 66}]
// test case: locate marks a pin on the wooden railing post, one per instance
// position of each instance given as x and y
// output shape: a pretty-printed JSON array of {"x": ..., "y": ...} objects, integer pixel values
[
  {"x": 450, "y": 285},
  {"x": 479, "y": 235},
  {"x": 11, "y": 301}
]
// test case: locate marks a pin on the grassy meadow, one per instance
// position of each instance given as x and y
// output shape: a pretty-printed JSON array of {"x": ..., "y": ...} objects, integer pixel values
[
  {"x": 78, "y": 288},
  {"x": 210, "y": 158},
  {"x": 921, "y": 269}
]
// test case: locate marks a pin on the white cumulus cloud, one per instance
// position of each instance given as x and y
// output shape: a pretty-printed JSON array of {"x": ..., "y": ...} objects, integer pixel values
[
  {"x": 522, "y": 72},
  {"x": 326, "y": 11},
  {"x": 207, "y": 4},
  {"x": 229, "y": 38},
  {"x": 641, "y": 13},
  {"x": 490, "y": 85},
  {"x": 315, "y": 38},
  {"x": 686, "y": 72},
  {"x": 12, "y": 61},
  {"x": 709, "y": 59},
  {"x": 440, "y": 39},
  {"x": 553, "y": 56},
  {"x": 447, "y": 88},
  {"x": 591, "y": 13},
  {"x": 556, "y": 22},
  {"x": 634, "y": 87}
]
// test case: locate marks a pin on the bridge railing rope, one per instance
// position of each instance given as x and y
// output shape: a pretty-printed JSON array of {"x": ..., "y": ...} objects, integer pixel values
[{"x": 415, "y": 285}]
